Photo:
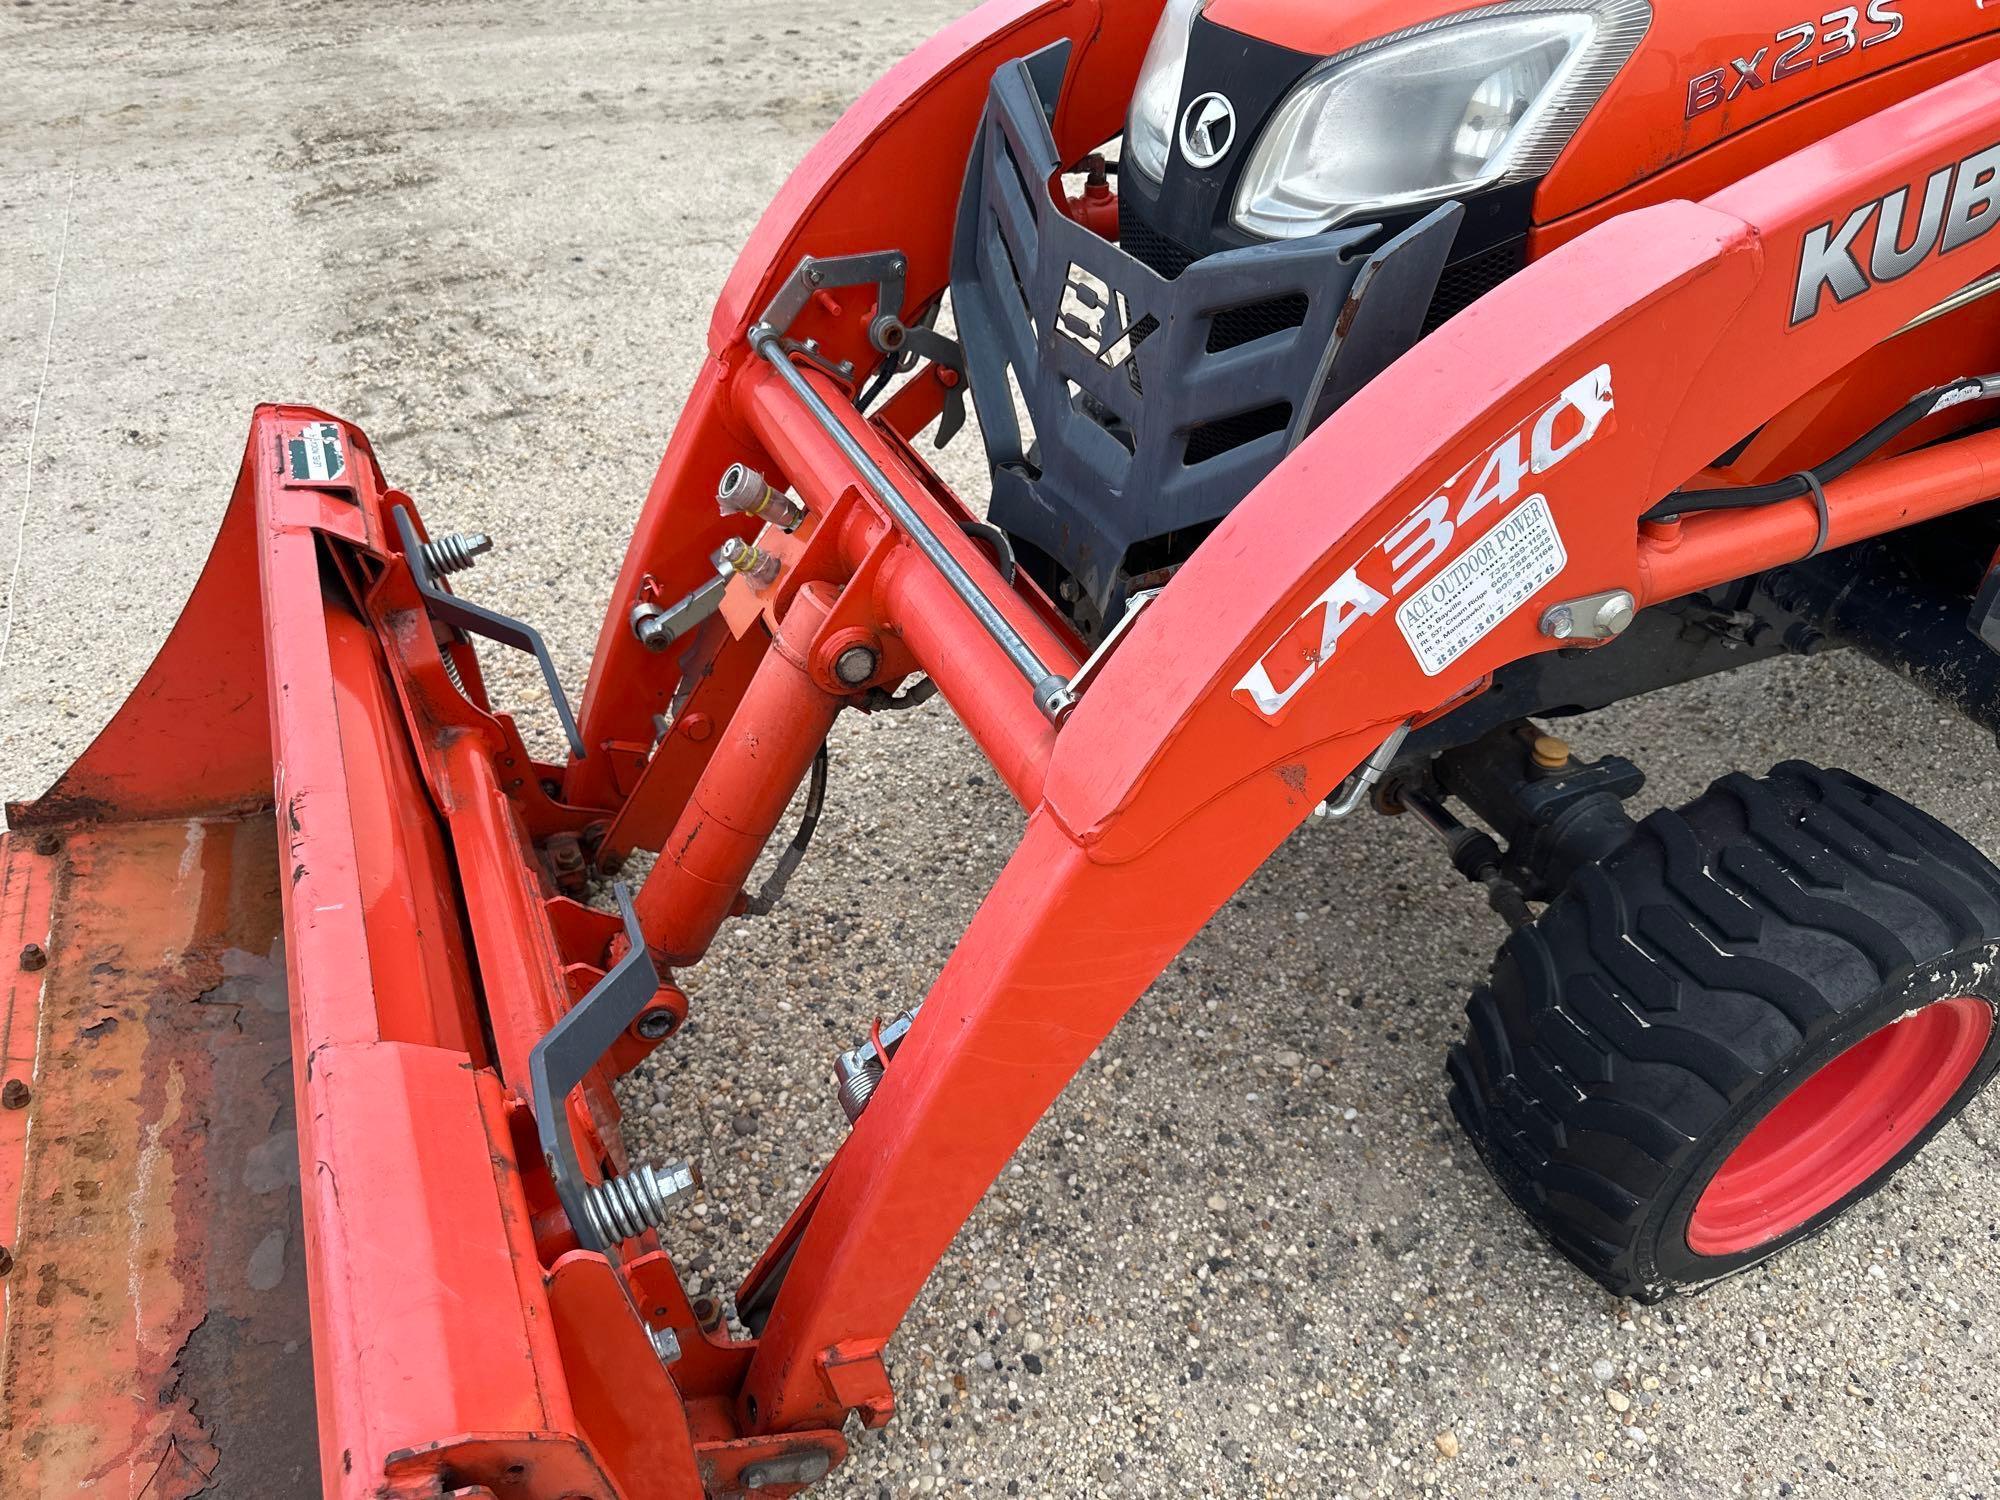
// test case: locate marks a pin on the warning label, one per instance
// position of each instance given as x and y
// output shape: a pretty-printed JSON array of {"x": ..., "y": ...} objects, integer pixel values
[{"x": 1497, "y": 575}]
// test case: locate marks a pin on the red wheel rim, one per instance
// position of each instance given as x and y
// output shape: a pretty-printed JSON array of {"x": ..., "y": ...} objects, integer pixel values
[{"x": 1840, "y": 1127}]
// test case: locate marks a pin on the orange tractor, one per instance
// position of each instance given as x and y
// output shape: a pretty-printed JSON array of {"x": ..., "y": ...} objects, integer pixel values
[{"x": 1362, "y": 385}]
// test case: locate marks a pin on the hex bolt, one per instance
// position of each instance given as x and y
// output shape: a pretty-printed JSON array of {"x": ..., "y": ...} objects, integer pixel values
[
  {"x": 48, "y": 844},
  {"x": 33, "y": 957},
  {"x": 666, "y": 1344},
  {"x": 856, "y": 665},
  {"x": 455, "y": 551},
  {"x": 655, "y": 1024},
  {"x": 1559, "y": 622},
  {"x": 707, "y": 1312},
  {"x": 743, "y": 491},
  {"x": 14, "y": 1095},
  {"x": 6, "y": 1260},
  {"x": 1615, "y": 612}
]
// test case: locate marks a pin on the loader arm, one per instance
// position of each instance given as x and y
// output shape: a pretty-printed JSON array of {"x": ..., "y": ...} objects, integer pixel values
[{"x": 467, "y": 1337}]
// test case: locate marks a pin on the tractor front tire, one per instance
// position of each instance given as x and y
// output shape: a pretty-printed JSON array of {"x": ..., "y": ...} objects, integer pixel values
[{"x": 1735, "y": 1027}]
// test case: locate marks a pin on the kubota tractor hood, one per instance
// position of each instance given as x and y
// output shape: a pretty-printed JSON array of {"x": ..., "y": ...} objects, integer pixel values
[{"x": 1705, "y": 72}]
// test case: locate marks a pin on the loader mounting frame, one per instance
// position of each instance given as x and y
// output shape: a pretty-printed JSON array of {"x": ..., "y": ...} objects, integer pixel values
[{"x": 465, "y": 1338}]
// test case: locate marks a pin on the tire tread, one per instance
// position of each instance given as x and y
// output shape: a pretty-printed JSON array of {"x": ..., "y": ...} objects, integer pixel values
[{"x": 1636, "y": 1009}]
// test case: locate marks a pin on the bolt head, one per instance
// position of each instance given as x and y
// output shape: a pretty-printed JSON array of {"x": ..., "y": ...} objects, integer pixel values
[
  {"x": 1559, "y": 622},
  {"x": 34, "y": 956},
  {"x": 855, "y": 665},
  {"x": 655, "y": 1024},
  {"x": 1615, "y": 613},
  {"x": 14, "y": 1095}
]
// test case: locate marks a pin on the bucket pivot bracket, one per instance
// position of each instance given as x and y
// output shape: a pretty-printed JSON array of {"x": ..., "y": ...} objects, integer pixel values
[
  {"x": 619, "y": 1208},
  {"x": 476, "y": 619}
]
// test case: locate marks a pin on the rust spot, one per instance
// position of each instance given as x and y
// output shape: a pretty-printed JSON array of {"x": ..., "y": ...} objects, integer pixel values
[
  {"x": 1293, "y": 776},
  {"x": 149, "y": 1104}
]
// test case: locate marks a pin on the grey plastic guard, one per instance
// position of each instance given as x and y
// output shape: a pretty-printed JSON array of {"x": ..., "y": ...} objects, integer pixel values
[{"x": 1034, "y": 292}]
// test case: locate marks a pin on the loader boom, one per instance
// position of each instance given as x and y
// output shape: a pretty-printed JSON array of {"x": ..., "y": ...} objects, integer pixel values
[{"x": 313, "y": 713}]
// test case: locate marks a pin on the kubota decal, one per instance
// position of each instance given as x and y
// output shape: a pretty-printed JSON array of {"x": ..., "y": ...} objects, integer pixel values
[
  {"x": 1794, "y": 50},
  {"x": 1095, "y": 318},
  {"x": 1416, "y": 545},
  {"x": 1955, "y": 205},
  {"x": 1208, "y": 129}
]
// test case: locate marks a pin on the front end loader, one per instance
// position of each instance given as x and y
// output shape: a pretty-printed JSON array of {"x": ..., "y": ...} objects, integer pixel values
[{"x": 1363, "y": 387}]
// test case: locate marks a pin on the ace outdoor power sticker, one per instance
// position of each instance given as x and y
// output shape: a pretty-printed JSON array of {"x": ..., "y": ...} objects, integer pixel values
[{"x": 1498, "y": 574}]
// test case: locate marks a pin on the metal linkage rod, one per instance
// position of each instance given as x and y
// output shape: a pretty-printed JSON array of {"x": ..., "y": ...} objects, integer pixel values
[{"x": 1052, "y": 692}]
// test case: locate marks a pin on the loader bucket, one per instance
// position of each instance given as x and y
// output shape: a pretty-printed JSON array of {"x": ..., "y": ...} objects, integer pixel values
[
  {"x": 180, "y": 1317},
  {"x": 156, "y": 1329}
]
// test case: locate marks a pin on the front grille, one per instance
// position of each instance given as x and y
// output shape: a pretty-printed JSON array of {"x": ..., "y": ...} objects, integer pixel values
[
  {"x": 1147, "y": 245},
  {"x": 1472, "y": 278},
  {"x": 1213, "y": 439},
  {"x": 1254, "y": 320},
  {"x": 1239, "y": 325}
]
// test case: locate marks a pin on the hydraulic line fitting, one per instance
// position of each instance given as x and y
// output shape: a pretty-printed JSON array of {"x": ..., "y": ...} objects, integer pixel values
[
  {"x": 748, "y": 560},
  {"x": 858, "y": 1070},
  {"x": 744, "y": 491}
]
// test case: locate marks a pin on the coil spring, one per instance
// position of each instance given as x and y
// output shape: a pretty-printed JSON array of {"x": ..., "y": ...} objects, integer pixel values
[
  {"x": 451, "y": 668},
  {"x": 455, "y": 552},
  {"x": 857, "y": 1087},
  {"x": 623, "y": 1208}
]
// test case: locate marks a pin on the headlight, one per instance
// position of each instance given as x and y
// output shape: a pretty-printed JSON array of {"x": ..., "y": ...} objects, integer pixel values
[
  {"x": 1458, "y": 104},
  {"x": 1149, "y": 133}
]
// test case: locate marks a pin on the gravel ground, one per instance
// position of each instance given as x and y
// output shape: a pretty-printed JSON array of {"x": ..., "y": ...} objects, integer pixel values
[{"x": 1247, "y": 1253}]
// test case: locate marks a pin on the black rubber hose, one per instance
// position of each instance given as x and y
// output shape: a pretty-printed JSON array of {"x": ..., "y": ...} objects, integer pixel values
[{"x": 1800, "y": 486}]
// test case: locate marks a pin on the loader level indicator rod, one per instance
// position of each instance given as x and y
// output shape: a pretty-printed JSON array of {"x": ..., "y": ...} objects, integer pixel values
[{"x": 1052, "y": 692}]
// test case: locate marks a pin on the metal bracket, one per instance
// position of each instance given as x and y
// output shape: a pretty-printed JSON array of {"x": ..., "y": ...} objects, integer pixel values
[
  {"x": 883, "y": 269},
  {"x": 477, "y": 619},
  {"x": 1134, "y": 605},
  {"x": 997, "y": 542},
  {"x": 766, "y": 337},
  {"x": 919, "y": 342},
  {"x": 1594, "y": 617},
  {"x": 887, "y": 332},
  {"x": 1362, "y": 782},
  {"x": 657, "y": 628},
  {"x": 572, "y": 1048}
]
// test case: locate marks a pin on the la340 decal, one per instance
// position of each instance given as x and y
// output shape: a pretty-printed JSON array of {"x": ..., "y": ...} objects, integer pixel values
[{"x": 1413, "y": 548}]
